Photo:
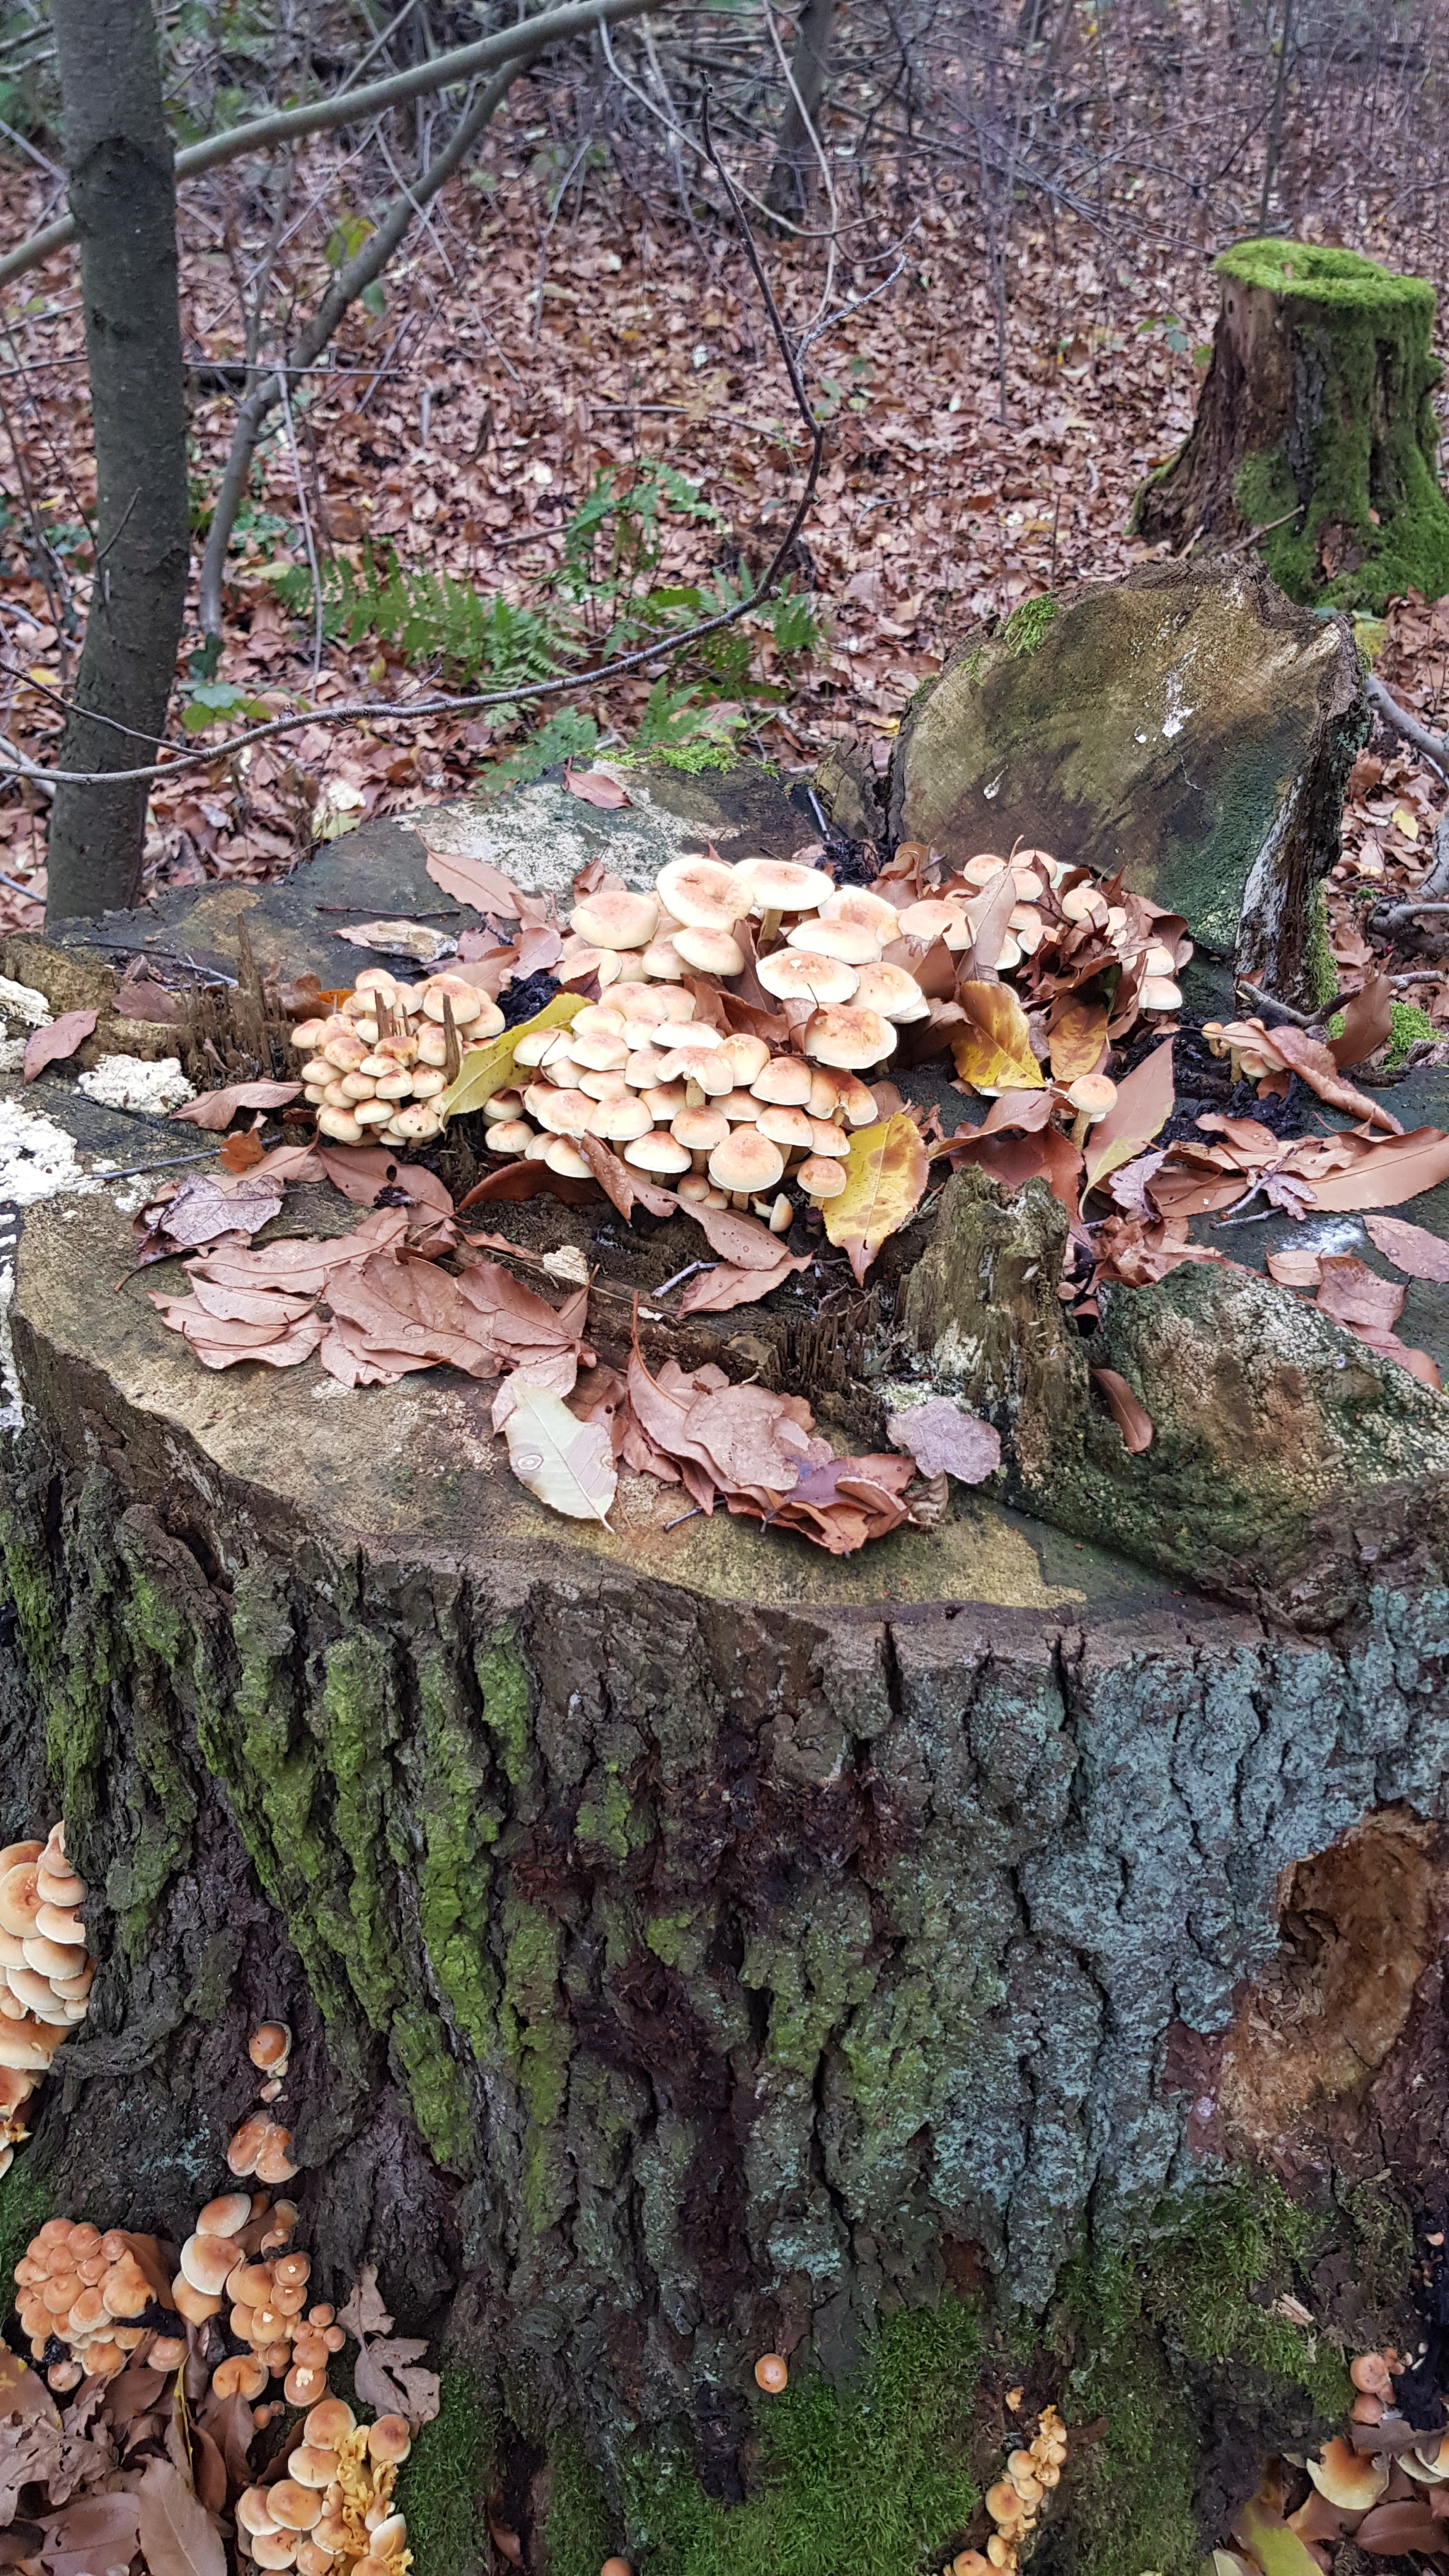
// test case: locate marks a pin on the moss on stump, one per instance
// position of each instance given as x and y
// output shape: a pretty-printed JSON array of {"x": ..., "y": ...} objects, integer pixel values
[{"x": 1315, "y": 426}]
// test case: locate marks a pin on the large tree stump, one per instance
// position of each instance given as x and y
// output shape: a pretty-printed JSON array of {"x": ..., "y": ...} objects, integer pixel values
[
  {"x": 1315, "y": 426},
  {"x": 696, "y": 1945}
]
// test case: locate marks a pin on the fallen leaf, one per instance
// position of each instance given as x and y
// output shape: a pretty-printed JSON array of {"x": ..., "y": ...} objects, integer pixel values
[
  {"x": 487, "y": 1069},
  {"x": 1296, "y": 1266},
  {"x": 1077, "y": 1035},
  {"x": 178, "y": 2536},
  {"x": 474, "y": 881},
  {"x": 994, "y": 1052},
  {"x": 30, "y": 2449},
  {"x": 1351, "y": 1293},
  {"x": 1389, "y": 1346},
  {"x": 1310, "y": 1058},
  {"x": 361, "y": 1172},
  {"x": 740, "y": 1240},
  {"x": 139, "y": 997},
  {"x": 1367, "y": 1023},
  {"x": 1144, "y": 1103},
  {"x": 100, "y": 2532},
  {"x": 216, "y": 1109},
  {"x": 242, "y": 1152},
  {"x": 363, "y": 2313},
  {"x": 1389, "y": 2530},
  {"x": 416, "y": 940},
  {"x": 1128, "y": 1414},
  {"x": 1384, "y": 1173},
  {"x": 620, "y": 1183},
  {"x": 989, "y": 914},
  {"x": 228, "y": 2421},
  {"x": 1411, "y": 1248},
  {"x": 523, "y": 1180},
  {"x": 57, "y": 1039},
  {"x": 886, "y": 1172},
  {"x": 386, "y": 2378},
  {"x": 715, "y": 1291},
  {"x": 202, "y": 1210},
  {"x": 1261, "y": 2529},
  {"x": 942, "y": 1436},
  {"x": 568, "y": 1464},
  {"x": 594, "y": 787}
]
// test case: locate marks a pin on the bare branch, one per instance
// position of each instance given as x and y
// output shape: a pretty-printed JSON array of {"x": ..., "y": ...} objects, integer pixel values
[
  {"x": 353, "y": 107},
  {"x": 1433, "y": 746}
]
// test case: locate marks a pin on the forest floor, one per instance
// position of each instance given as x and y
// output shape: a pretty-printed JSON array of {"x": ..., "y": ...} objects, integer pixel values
[{"x": 975, "y": 456}]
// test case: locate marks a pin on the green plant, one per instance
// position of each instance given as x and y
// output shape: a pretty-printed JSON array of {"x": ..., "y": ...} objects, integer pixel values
[
  {"x": 1409, "y": 1026},
  {"x": 443, "y": 2484}
]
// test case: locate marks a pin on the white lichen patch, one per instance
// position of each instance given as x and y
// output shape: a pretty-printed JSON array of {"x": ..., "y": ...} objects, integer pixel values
[
  {"x": 22, "y": 1006},
  {"x": 37, "y": 1158},
  {"x": 128, "y": 1082},
  {"x": 542, "y": 836},
  {"x": 12, "y": 1055}
]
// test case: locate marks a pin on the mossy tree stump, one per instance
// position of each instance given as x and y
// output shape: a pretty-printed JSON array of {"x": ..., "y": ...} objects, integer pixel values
[{"x": 1315, "y": 426}]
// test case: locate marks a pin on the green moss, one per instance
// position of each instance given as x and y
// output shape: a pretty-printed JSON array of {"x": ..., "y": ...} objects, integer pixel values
[
  {"x": 355, "y": 1734},
  {"x": 539, "y": 2042},
  {"x": 1136, "y": 2328},
  {"x": 1408, "y": 1027},
  {"x": 436, "y": 2088},
  {"x": 27, "y": 2200},
  {"x": 456, "y": 1875},
  {"x": 503, "y": 1681},
  {"x": 695, "y": 756},
  {"x": 579, "y": 2531},
  {"x": 1027, "y": 624},
  {"x": 1320, "y": 972},
  {"x": 1368, "y": 519},
  {"x": 28, "y": 1592},
  {"x": 444, "y": 2485},
  {"x": 861, "y": 2481}
]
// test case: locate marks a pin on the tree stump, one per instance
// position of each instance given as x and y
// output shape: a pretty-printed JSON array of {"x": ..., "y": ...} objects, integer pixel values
[
  {"x": 1315, "y": 428},
  {"x": 987, "y": 1971}
]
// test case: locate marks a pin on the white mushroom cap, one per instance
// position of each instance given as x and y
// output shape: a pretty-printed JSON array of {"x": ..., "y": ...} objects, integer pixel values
[
  {"x": 980, "y": 870},
  {"x": 603, "y": 1086},
  {"x": 643, "y": 1067},
  {"x": 504, "y": 1104},
  {"x": 869, "y": 911},
  {"x": 1084, "y": 903},
  {"x": 828, "y": 1139},
  {"x": 803, "y": 975},
  {"x": 565, "y": 1158},
  {"x": 738, "y": 1105},
  {"x": 820, "y": 1179},
  {"x": 746, "y": 1161},
  {"x": 616, "y": 920},
  {"x": 704, "y": 1065},
  {"x": 600, "y": 1055},
  {"x": 700, "y": 1129},
  {"x": 536, "y": 1046},
  {"x": 784, "y": 1081},
  {"x": 511, "y": 1136},
  {"x": 936, "y": 917},
  {"x": 597, "y": 1020},
  {"x": 891, "y": 991},
  {"x": 709, "y": 952},
  {"x": 671, "y": 1005},
  {"x": 417, "y": 1120},
  {"x": 662, "y": 960},
  {"x": 702, "y": 893},
  {"x": 465, "y": 1001},
  {"x": 779, "y": 885},
  {"x": 620, "y": 1121},
  {"x": 1092, "y": 1094},
  {"x": 851, "y": 941},
  {"x": 852, "y": 1038},
  {"x": 787, "y": 1127},
  {"x": 1159, "y": 993},
  {"x": 664, "y": 1100},
  {"x": 748, "y": 1056},
  {"x": 579, "y": 961},
  {"x": 1160, "y": 960},
  {"x": 627, "y": 999},
  {"x": 340, "y": 1125},
  {"x": 657, "y": 1152},
  {"x": 563, "y": 1113}
]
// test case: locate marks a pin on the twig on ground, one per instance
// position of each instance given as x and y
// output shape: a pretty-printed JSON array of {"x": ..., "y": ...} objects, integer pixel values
[{"x": 1432, "y": 746}]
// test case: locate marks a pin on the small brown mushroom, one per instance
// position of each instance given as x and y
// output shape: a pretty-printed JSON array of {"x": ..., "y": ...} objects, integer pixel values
[
  {"x": 616, "y": 2567},
  {"x": 891, "y": 991},
  {"x": 858, "y": 904},
  {"x": 270, "y": 2046},
  {"x": 704, "y": 1068},
  {"x": 710, "y": 952},
  {"x": 20, "y": 1900},
  {"x": 167, "y": 2352},
  {"x": 468, "y": 1006},
  {"x": 703, "y": 894},
  {"x": 820, "y": 1178},
  {"x": 312, "y": 2561},
  {"x": 247, "y": 2145},
  {"x": 389, "y": 2440},
  {"x": 192, "y": 2304},
  {"x": 936, "y": 917},
  {"x": 617, "y": 920},
  {"x": 240, "y": 2375},
  {"x": 1351, "y": 2479},
  {"x": 329, "y": 2424},
  {"x": 772, "y": 2373},
  {"x": 852, "y": 1038},
  {"x": 790, "y": 1128},
  {"x": 803, "y": 975},
  {"x": 657, "y": 1152},
  {"x": 1159, "y": 993},
  {"x": 1370, "y": 2372},
  {"x": 850, "y": 941},
  {"x": 699, "y": 1131},
  {"x": 745, "y": 1163},
  {"x": 272, "y": 2549},
  {"x": 621, "y": 1122},
  {"x": 784, "y": 1083},
  {"x": 747, "y": 1056},
  {"x": 207, "y": 2262},
  {"x": 312, "y": 2466},
  {"x": 1091, "y": 1096}
]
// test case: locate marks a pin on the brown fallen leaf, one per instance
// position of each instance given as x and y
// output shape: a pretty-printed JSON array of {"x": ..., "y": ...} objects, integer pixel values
[
  {"x": 57, "y": 1040},
  {"x": 1313, "y": 1061},
  {"x": 522, "y": 1180},
  {"x": 942, "y": 1437},
  {"x": 994, "y": 1052},
  {"x": 886, "y": 1171},
  {"x": 416, "y": 940},
  {"x": 139, "y": 997},
  {"x": 567, "y": 1464},
  {"x": 243, "y": 1152},
  {"x": 1367, "y": 1023},
  {"x": 1388, "y": 1344},
  {"x": 522, "y": 1331},
  {"x": 593, "y": 787},
  {"x": 1144, "y": 1103},
  {"x": 1126, "y": 1411},
  {"x": 1137, "y": 1252},
  {"x": 1390, "y": 2530},
  {"x": 387, "y": 2378},
  {"x": 99, "y": 2532},
  {"x": 178, "y": 2536},
  {"x": 216, "y": 1109},
  {"x": 1411, "y": 1248},
  {"x": 740, "y": 1240},
  {"x": 474, "y": 881},
  {"x": 620, "y": 1183},
  {"x": 1351, "y": 1293},
  {"x": 360, "y": 1172},
  {"x": 715, "y": 1291},
  {"x": 202, "y": 1210},
  {"x": 1382, "y": 1174},
  {"x": 1077, "y": 1034},
  {"x": 1295, "y": 1266}
]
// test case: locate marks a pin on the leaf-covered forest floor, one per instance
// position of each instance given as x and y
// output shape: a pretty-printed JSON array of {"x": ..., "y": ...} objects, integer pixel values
[{"x": 535, "y": 336}]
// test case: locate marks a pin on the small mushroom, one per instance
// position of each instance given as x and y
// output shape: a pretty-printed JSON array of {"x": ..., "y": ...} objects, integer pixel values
[
  {"x": 783, "y": 1083},
  {"x": 745, "y": 1163},
  {"x": 226, "y": 2215},
  {"x": 207, "y": 2262},
  {"x": 891, "y": 991},
  {"x": 936, "y": 917},
  {"x": 850, "y": 941},
  {"x": 820, "y": 1178},
  {"x": 389, "y": 2440},
  {"x": 562, "y": 1155},
  {"x": 616, "y": 2567},
  {"x": 662, "y": 960},
  {"x": 616, "y": 919},
  {"x": 340, "y": 1126},
  {"x": 293, "y": 2506},
  {"x": 1091, "y": 1096},
  {"x": 803, "y": 975},
  {"x": 739, "y": 1104},
  {"x": 704, "y": 1068},
  {"x": 699, "y": 1131},
  {"x": 772, "y": 2373},
  {"x": 778, "y": 886},
  {"x": 311, "y": 2465},
  {"x": 858, "y": 904},
  {"x": 852, "y": 1038},
  {"x": 657, "y": 1152},
  {"x": 59, "y": 1923},
  {"x": 703, "y": 894},
  {"x": 304, "y": 2384},
  {"x": 710, "y": 952},
  {"x": 1159, "y": 993},
  {"x": 790, "y": 1128},
  {"x": 192, "y": 2304},
  {"x": 621, "y": 1122},
  {"x": 240, "y": 2375},
  {"x": 511, "y": 1136},
  {"x": 828, "y": 1139},
  {"x": 1370, "y": 2372},
  {"x": 272, "y": 2549},
  {"x": 781, "y": 1215},
  {"x": 329, "y": 2424},
  {"x": 247, "y": 2144},
  {"x": 20, "y": 1900},
  {"x": 270, "y": 2046}
]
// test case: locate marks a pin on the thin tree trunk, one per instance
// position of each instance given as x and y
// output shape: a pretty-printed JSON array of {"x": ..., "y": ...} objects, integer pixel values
[
  {"x": 120, "y": 167},
  {"x": 790, "y": 178}
]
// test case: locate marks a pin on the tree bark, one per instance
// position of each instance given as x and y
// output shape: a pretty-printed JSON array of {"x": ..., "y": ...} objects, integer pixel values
[
  {"x": 1315, "y": 434},
  {"x": 122, "y": 182},
  {"x": 788, "y": 192}
]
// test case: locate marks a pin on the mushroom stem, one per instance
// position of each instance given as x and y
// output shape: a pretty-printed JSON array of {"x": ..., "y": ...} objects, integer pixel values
[
  {"x": 769, "y": 932},
  {"x": 739, "y": 1199},
  {"x": 694, "y": 1093},
  {"x": 1235, "y": 1069},
  {"x": 1079, "y": 1129}
]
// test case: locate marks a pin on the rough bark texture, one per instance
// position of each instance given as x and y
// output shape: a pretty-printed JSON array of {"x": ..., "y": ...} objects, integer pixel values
[
  {"x": 1187, "y": 727},
  {"x": 122, "y": 183},
  {"x": 693, "y": 1947},
  {"x": 1315, "y": 425},
  {"x": 788, "y": 192}
]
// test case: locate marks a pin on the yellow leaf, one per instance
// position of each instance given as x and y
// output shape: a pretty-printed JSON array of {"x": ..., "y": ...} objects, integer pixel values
[
  {"x": 886, "y": 1172},
  {"x": 994, "y": 1053},
  {"x": 568, "y": 1464},
  {"x": 489, "y": 1068},
  {"x": 1077, "y": 1040},
  {"x": 1407, "y": 820}
]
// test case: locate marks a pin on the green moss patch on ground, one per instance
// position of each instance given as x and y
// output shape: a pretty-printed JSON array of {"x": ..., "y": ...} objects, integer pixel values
[{"x": 442, "y": 2489}]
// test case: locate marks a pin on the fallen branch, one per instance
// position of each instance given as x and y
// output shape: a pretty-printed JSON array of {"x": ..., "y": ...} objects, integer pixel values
[
  {"x": 1434, "y": 747},
  {"x": 1285, "y": 1010},
  {"x": 356, "y": 106}
]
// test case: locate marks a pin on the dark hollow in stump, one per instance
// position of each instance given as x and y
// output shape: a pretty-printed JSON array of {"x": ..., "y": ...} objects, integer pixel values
[{"x": 1315, "y": 427}]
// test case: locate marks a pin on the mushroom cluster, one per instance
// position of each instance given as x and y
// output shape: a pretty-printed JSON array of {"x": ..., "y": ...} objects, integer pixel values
[
  {"x": 238, "y": 2254},
  {"x": 45, "y": 1971},
  {"x": 377, "y": 1067},
  {"x": 1017, "y": 2501},
  {"x": 333, "y": 2509},
  {"x": 88, "y": 2292}
]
